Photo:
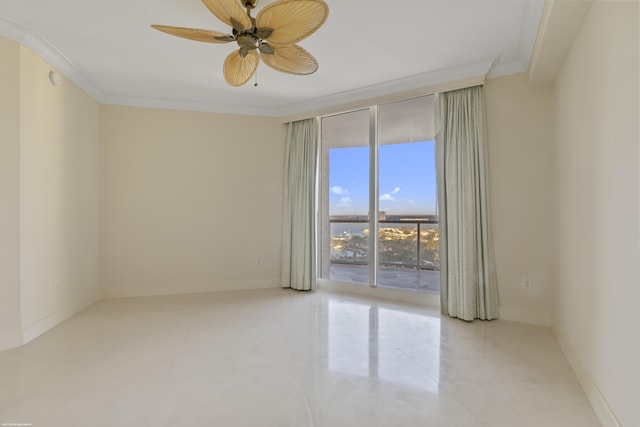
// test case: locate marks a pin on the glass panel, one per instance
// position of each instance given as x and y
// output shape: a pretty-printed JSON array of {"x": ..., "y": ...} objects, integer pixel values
[
  {"x": 397, "y": 244},
  {"x": 344, "y": 203},
  {"x": 349, "y": 242},
  {"x": 407, "y": 226},
  {"x": 429, "y": 248}
]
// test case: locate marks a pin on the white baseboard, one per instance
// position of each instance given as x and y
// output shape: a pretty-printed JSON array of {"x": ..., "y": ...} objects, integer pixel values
[
  {"x": 189, "y": 288},
  {"x": 432, "y": 300},
  {"x": 10, "y": 339},
  {"x": 597, "y": 400},
  {"x": 532, "y": 317},
  {"x": 40, "y": 327}
]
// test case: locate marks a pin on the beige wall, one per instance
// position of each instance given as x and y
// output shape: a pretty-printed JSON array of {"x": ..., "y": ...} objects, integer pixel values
[
  {"x": 10, "y": 333},
  {"x": 596, "y": 305},
  {"x": 521, "y": 174},
  {"x": 191, "y": 201},
  {"x": 59, "y": 198}
]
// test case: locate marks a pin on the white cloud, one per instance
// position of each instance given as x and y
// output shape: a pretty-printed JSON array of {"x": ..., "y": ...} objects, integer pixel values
[
  {"x": 338, "y": 191},
  {"x": 344, "y": 202},
  {"x": 388, "y": 197}
]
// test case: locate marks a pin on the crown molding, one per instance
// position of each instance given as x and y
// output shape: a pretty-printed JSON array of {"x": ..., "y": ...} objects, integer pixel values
[
  {"x": 520, "y": 64},
  {"x": 48, "y": 53},
  {"x": 187, "y": 105},
  {"x": 12, "y": 31},
  {"x": 420, "y": 84},
  {"x": 528, "y": 31},
  {"x": 559, "y": 25},
  {"x": 501, "y": 69}
]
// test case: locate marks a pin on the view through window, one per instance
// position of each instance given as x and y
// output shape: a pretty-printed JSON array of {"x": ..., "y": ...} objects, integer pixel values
[{"x": 380, "y": 160}]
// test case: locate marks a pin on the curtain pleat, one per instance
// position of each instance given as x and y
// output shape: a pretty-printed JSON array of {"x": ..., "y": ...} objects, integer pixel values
[
  {"x": 299, "y": 234},
  {"x": 468, "y": 283}
]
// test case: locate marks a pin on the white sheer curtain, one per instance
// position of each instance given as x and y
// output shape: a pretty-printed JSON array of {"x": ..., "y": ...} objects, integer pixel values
[
  {"x": 299, "y": 234},
  {"x": 468, "y": 286}
]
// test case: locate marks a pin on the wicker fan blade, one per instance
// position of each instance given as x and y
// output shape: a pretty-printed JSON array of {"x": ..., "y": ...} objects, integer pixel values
[
  {"x": 227, "y": 9},
  {"x": 292, "y": 20},
  {"x": 194, "y": 34},
  {"x": 238, "y": 70},
  {"x": 292, "y": 60}
]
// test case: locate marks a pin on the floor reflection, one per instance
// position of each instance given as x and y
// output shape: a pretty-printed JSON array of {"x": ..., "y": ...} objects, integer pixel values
[{"x": 384, "y": 341}]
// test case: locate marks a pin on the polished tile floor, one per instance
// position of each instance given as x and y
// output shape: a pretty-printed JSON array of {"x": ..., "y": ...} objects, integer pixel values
[{"x": 283, "y": 358}]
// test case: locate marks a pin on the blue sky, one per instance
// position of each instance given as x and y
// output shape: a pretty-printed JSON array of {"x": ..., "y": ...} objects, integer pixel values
[{"x": 407, "y": 179}]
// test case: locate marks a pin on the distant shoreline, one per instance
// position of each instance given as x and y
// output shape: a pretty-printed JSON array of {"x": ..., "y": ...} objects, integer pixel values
[{"x": 433, "y": 219}]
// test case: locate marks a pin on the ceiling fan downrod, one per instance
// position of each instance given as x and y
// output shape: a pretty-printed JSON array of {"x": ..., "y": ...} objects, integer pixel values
[{"x": 249, "y": 4}]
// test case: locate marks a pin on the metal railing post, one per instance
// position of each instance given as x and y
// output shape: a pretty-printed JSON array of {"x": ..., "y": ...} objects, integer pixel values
[{"x": 418, "y": 259}]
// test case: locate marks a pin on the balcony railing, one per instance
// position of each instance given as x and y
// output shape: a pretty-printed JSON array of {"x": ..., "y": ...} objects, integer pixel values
[{"x": 402, "y": 242}]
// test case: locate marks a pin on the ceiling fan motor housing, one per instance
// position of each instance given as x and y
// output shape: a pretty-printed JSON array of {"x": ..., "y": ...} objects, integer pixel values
[{"x": 248, "y": 41}]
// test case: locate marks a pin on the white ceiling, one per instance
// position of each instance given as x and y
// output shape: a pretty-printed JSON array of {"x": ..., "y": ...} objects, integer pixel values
[{"x": 108, "y": 48}]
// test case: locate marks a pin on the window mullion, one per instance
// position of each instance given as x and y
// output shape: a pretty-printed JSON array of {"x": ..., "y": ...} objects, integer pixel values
[{"x": 373, "y": 196}]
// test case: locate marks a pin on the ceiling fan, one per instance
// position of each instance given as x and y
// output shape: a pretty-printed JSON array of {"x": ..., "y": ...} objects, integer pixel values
[{"x": 271, "y": 36}]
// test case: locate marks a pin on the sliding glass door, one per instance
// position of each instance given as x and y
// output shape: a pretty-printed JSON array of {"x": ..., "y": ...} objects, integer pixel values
[
  {"x": 407, "y": 229},
  {"x": 381, "y": 160},
  {"x": 344, "y": 219}
]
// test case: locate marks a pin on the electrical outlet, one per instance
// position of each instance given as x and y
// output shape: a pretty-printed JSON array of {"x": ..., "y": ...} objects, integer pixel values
[{"x": 527, "y": 283}]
